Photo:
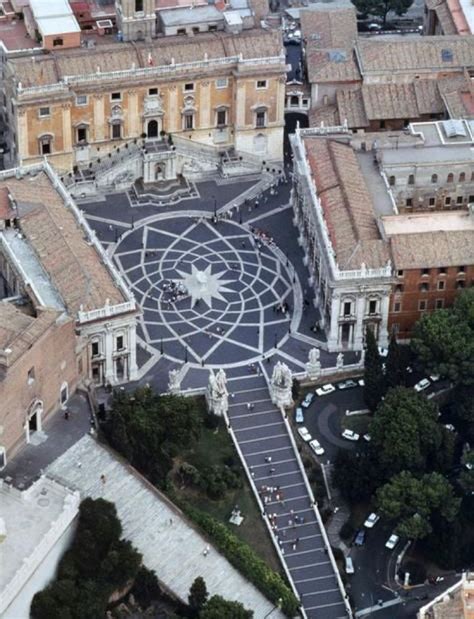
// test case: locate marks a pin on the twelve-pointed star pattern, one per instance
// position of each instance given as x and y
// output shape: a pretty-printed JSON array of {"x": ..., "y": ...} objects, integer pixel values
[{"x": 204, "y": 285}]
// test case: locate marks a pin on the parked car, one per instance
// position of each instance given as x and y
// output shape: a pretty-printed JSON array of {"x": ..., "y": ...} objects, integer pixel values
[
  {"x": 450, "y": 427},
  {"x": 316, "y": 447},
  {"x": 347, "y": 384},
  {"x": 423, "y": 384},
  {"x": 367, "y": 437},
  {"x": 360, "y": 538},
  {"x": 361, "y": 382},
  {"x": 383, "y": 352},
  {"x": 350, "y": 435},
  {"x": 434, "y": 378},
  {"x": 392, "y": 541},
  {"x": 349, "y": 566},
  {"x": 371, "y": 521},
  {"x": 305, "y": 435},
  {"x": 325, "y": 389},
  {"x": 299, "y": 416},
  {"x": 309, "y": 397}
]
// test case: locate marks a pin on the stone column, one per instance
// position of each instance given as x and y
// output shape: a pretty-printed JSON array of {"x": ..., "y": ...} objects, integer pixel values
[
  {"x": 280, "y": 106},
  {"x": 67, "y": 129},
  {"x": 99, "y": 118},
  {"x": 133, "y": 129},
  {"x": 359, "y": 326},
  {"x": 333, "y": 335},
  {"x": 173, "y": 113},
  {"x": 204, "y": 107},
  {"x": 23, "y": 149},
  {"x": 132, "y": 358},
  {"x": 383, "y": 332},
  {"x": 109, "y": 361}
]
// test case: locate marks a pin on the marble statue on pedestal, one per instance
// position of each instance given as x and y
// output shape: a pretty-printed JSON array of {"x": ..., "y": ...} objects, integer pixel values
[
  {"x": 281, "y": 385},
  {"x": 217, "y": 394},
  {"x": 174, "y": 382},
  {"x": 313, "y": 367}
]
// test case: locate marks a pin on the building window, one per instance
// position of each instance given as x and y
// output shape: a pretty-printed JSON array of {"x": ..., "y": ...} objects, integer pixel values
[
  {"x": 261, "y": 84},
  {"x": 188, "y": 121},
  {"x": 462, "y": 269},
  {"x": 138, "y": 6},
  {"x": 397, "y": 306},
  {"x": 462, "y": 177},
  {"x": 442, "y": 270},
  {"x": 189, "y": 87},
  {"x": 422, "y": 305},
  {"x": 119, "y": 342},
  {"x": 81, "y": 135},
  {"x": 294, "y": 101},
  {"x": 441, "y": 285},
  {"x": 447, "y": 201},
  {"x": 471, "y": 199},
  {"x": 31, "y": 375},
  {"x": 409, "y": 202},
  {"x": 44, "y": 111},
  {"x": 460, "y": 284},
  {"x": 81, "y": 100},
  {"x": 58, "y": 42},
  {"x": 372, "y": 307},
  {"x": 181, "y": 31},
  {"x": 425, "y": 272},
  {"x": 222, "y": 82},
  {"x": 45, "y": 145},
  {"x": 399, "y": 288},
  {"x": 424, "y": 287},
  {"x": 400, "y": 273},
  {"x": 260, "y": 118},
  {"x": 450, "y": 178},
  {"x": 64, "y": 394},
  {"x": 431, "y": 202},
  {"x": 439, "y": 303},
  {"x": 116, "y": 131},
  {"x": 116, "y": 96},
  {"x": 196, "y": 30},
  {"x": 221, "y": 118},
  {"x": 434, "y": 178},
  {"x": 391, "y": 181},
  {"x": 152, "y": 91},
  {"x": 347, "y": 308},
  {"x": 459, "y": 199},
  {"x": 212, "y": 28},
  {"x": 3, "y": 458},
  {"x": 95, "y": 349},
  {"x": 411, "y": 179}
]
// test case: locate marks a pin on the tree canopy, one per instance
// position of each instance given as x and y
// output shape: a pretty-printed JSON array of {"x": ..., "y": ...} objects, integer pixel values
[
  {"x": 217, "y": 608},
  {"x": 380, "y": 8},
  {"x": 197, "y": 595},
  {"x": 444, "y": 340},
  {"x": 405, "y": 432},
  {"x": 374, "y": 379},
  {"x": 410, "y": 502}
]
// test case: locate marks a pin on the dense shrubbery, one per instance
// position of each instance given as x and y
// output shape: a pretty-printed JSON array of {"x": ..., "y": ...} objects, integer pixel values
[
  {"x": 245, "y": 560},
  {"x": 97, "y": 564},
  {"x": 215, "y": 480}
]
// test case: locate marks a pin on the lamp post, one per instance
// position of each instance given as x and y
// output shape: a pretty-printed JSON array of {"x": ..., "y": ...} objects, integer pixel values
[
  {"x": 215, "y": 206},
  {"x": 185, "y": 354},
  {"x": 161, "y": 346},
  {"x": 275, "y": 340},
  {"x": 277, "y": 606}
]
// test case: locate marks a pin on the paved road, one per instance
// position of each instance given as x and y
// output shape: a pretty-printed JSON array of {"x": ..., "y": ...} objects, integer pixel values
[{"x": 269, "y": 454}]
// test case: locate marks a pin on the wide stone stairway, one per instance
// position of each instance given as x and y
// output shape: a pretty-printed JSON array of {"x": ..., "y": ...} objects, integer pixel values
[{"x": 269, "y": 455}]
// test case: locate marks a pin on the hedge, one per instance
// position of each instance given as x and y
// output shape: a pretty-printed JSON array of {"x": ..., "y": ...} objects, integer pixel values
[{"x": 242, "y": 557}]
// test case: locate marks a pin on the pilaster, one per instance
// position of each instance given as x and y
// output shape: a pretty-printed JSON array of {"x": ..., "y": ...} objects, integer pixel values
[
  {"x": 173, "y": 112},
  {"x": 132, "y": 129},
  {"x": 99, "y": 118},
  {"x": 67, "y": 129},
  {"x": 240, "y": 106},
  {"x": 333, "y": 335},
  {"x": 23, "y": 149},
  {"x": 205, "y": 105}
]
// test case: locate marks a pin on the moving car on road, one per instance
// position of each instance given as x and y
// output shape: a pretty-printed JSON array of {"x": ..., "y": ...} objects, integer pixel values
[
  {"x": 325, "y": 389},
  {"x": 392, "y": 541},
  {"x": 299, "y": 417},
  {"x": 316, "y": 447},
  {"x": 350, "y": 435},
  {"x": 309, "y": 397},
  {"x": 347, "y": 384},
  {"x": 360, "y": 538},
  {"x": 349, "y": 566},
  {"x": 422, "y": 385},
  {"x": 305, "y": 435},
  {"x": 371, "y": 521}
]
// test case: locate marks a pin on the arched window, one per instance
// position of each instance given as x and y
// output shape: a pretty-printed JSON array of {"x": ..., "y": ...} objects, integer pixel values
[
  {"x": 138, "y": 6},
  {"x": 152, "y": 129},
  {"x": 450, "y": 178},
  {"x": 188, "y": 120},
  {"x": 260, "y": 117},
  {"x": 411, "y": 179},
  {"x": 45, "y": 144},
  {"x": 462, "y": 177},
  {"x": 434, "y": 178},
  {"x": 221, "y": 117},
  {"x": 391, "y": 181},
  {"x": 116, "y": 130}
]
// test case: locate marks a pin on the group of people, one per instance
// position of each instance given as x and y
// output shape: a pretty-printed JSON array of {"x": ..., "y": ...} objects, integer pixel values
[
  {"x": 261, "y": 237},
  {"x": 173, "y": 292}
]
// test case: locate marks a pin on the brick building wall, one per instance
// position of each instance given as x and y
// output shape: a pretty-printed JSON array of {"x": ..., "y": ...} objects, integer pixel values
[
  {"x": 418, "y": 291},
  {"x": 52, "y": 360}
]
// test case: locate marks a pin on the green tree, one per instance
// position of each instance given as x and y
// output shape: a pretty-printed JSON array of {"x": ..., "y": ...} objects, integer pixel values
[
  {"x": 197, "y": 595},
  {"x": 380, "y": 8},
  {"x": 218, "y": 608},
  {"x": 444, "y": 340},
  {"x": 374, "y": 380},
  {"x": 411, "y": 502},
  {"x": 405, "y": 432},
  {"x": 356, "y": 475},
  {"x": 394, "y": 370}
]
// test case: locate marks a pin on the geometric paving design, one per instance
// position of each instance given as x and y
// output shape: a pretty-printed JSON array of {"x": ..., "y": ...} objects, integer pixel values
[{"x": 241, "y": 324}]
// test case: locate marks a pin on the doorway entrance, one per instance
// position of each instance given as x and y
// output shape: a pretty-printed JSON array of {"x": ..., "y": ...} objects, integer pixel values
[
  {"x": 152, "y": 129},
  {"x": 33, "y": 419}
]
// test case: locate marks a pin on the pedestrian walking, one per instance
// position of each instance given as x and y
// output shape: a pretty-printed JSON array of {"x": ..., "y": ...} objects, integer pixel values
[
  {"x": 268, "y": 459},
  {"x": 66, "y": 414}
]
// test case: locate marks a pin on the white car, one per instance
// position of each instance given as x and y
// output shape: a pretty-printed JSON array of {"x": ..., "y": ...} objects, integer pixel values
[
  {"x": 383, "y": 352},
  {"x": 299, "y": 417},
  {"x": 309, "y": 397},
  {"x": 361, "y": 382},
  {"x": 450, "y": 427},
  {"x": 392, "y": 541},
  {"x": 367, "y": 437},
  {"x": 316, "y": 447},
  {"x": 349, "y": 566},
  {"x": 350, "y": 435},
  {"x": 422, "y": 385},
  {"x": 305, "y": 435},
  {"x": 325, "y": 389},
  {"x": 347, "y": 384},
  {"x": 434, "y": 378},
  {"x": 371, "y": 521}
]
